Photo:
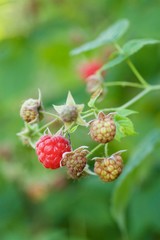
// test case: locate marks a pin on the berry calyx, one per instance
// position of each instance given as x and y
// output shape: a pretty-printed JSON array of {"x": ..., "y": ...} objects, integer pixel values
[
  {"x": 75, "y": 162},
  {"x": 103, "y": 129},
  {"x": 69, "y": 113},
  {"x": 50, "y": 150},
  {"x": 94, "y": 82},
  {"x": 108, "y": 169}
]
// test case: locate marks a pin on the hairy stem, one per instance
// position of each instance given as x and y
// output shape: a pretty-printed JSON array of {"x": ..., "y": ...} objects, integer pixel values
[
  {"x": 124, "y": 84},
  {"x": 44, "y": 127},
  {"x": 132, "y": 67},
  {"x": 94, "y": 150},
  {"x": 136, "y": 73},
  {"x": 136, "y": 98},
  {"x": 51, "y": 114}
]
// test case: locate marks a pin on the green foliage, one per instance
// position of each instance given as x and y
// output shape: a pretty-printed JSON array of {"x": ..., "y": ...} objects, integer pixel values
[
  {"x": 111, "y": 35},
  {"x": 128, "y": 50},
  {"x": 124, "y": 126},
  {"x": 126, "y": 112},
  {"x": 132, "y": 174}
]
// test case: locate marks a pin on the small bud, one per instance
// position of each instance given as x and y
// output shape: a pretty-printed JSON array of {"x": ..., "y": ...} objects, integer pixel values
[
  {"x": 29, "y": 111},
  {"x": 69, "y": 113}
]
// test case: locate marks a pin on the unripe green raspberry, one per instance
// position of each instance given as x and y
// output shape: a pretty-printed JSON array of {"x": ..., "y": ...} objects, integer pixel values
[
  {"x": 69, "y": 113},
  {"x": 75, "y": 162},
  {"x": 29, "y": 110},
  {"x": 103, "y": 129},
  {"x": 108, "y": 169}
]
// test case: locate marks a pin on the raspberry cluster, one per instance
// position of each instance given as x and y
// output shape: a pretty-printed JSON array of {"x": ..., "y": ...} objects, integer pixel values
[{"x": 55, "y": 151}]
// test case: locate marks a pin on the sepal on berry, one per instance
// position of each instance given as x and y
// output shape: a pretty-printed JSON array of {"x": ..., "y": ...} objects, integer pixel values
[
  {"x": 29, "y": 134},
  {"x": 93, "y": 83},
  {"x": 70, "y": 112},
  {"x": 87, "y": 171}
]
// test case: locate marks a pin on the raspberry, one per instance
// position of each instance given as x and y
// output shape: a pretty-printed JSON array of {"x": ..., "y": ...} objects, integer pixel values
[
  {"x": 69, "y": 113},
  {"x": 75, "y": 161},
  {"x": 89, "y": 68},
  {"x": 50, "y": 150},
  {"x": 108, "y": 169},
  {"x": 30, "y": 110},
  {"x": 102, "y": 129}
]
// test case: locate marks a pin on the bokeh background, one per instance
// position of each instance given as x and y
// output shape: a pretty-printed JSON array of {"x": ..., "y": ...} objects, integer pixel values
[{"x": 36, "y": 37}]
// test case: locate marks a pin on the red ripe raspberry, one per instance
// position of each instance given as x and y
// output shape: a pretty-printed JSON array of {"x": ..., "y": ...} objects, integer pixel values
[
  {"x": 50, "y": 150},
  {"x": 108, "y": 169},
  {"x": 103, "y": 129},
  {"x": 89, "y": 68}
]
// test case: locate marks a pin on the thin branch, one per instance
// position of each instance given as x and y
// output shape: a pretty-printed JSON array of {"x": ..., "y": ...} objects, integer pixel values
[{"x": 124, "y": 84}]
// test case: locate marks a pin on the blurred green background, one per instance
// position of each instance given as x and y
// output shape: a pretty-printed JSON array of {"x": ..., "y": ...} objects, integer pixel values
[{"x": 36, "y": 37}]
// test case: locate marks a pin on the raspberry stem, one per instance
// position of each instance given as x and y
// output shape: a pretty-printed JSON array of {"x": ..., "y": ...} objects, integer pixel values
[
  {"x": 87, "y": 170},
  {"x": 106, "y": 150},
  {"x": 94, "y": 150},
  {"x": 132, "y": 67},
  {"x": 136, "y": 98},
  {"x": 44, "y": 127},
  {"x": 88, "y": 111},
  {"x": 124, "y": 84},
  {"x": 136, "y": 73},
  {"x": 51, "y": 114}
]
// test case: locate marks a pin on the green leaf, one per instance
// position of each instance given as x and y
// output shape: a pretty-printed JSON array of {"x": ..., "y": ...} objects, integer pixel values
[
  {"x": 131, "y": 176},
  {"x": 134, "y": 46},
  {"x": 114, "y": 62},
  {"x": 128, "y": 50},
  {"x": 73, "y": 129},
  {"x": 126, "y": 112},
  {"x": 124, "y": 126},
  {"x": 110, "y": 35}
]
